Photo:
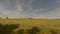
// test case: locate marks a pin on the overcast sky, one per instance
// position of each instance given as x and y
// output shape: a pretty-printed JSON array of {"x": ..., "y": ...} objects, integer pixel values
[{"x": 30, "y": 8}]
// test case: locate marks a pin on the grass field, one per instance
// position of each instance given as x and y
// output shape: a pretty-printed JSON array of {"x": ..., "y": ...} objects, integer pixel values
[
  {"x": 45, "y": 24},
  {"x": 26, "y": 22}
]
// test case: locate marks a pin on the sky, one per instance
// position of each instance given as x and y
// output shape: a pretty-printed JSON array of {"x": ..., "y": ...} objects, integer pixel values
[{"x": 30, "y": 8}]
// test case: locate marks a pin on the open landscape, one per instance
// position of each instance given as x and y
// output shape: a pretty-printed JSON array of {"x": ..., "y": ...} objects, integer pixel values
[
  {"x": 26, "y": 23},
  {"x": 31, "y": 22},
  {"x": 29, "y": 16}
]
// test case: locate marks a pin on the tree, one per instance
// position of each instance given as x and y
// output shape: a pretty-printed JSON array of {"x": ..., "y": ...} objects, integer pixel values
[
  {"x": 6, "y": 17},
  {"x": 30, "y": 18},
  {"x": 34, "y": 30}
]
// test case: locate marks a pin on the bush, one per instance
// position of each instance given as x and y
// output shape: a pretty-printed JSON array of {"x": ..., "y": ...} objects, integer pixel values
[
  {"x": 34, "y": 30},
  {"x": 20, "y": 31},
  {"x": 11, "y": 26},
  {"x": 1, "y": 26},
  {"x": 53, "y": 32},
  {"x": 7, "y": 29}
]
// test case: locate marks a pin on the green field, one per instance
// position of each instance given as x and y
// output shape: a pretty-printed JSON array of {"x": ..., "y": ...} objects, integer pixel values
[{"x": 26, "y": 23}]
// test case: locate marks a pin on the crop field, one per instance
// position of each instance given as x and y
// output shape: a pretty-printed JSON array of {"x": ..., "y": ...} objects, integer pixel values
[{"x": 26, "y": 23}]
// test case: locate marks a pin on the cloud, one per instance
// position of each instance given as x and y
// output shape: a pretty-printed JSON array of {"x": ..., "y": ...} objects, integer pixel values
[
  {"x": 6, "y": 11},
  {"x": 30, "y": 8}
]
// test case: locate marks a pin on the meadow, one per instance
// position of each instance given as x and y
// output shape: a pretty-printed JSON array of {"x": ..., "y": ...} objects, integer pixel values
[
  {"x": 27, "y": 23},
  {"x": 31, "y": 22}
]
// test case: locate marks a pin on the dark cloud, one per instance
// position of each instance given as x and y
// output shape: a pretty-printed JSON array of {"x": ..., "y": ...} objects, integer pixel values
[
  {"x": 36, "y": 5},
  {"x": 29, "y": 8}
]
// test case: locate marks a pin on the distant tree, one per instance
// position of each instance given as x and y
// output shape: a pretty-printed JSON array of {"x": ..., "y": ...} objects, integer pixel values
[
  {"x": 20, "y": 31},
  {"x": 34, "y": 30},
  {"x": 6, "y": 17},
  {"x": 30, "y": 18}
]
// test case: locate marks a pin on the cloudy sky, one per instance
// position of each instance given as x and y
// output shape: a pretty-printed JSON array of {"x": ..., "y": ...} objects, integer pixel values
[{"x": 30, "y": 8}]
